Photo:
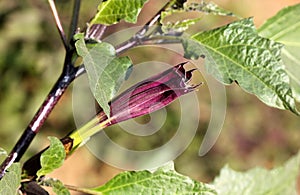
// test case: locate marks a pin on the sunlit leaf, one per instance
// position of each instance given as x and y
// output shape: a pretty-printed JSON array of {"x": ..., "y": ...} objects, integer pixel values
[
  {"x": 179, "y": 26},
  {"x": 162, "y": 181},
  {"x": 203, "y": 7},
  {"x": 208, "y": 8},
  {"x": 105, "y": 71},
  {"x": 182, "y": 23},
  {"x": 53, "y": 157},
  {"x": 235, "y": 53},
  {"x": 10, "y": 183},
  {"x": 112, "y": 11},
  {"x": 284, "y": 27},
  {"x": 259, "y": 181}
]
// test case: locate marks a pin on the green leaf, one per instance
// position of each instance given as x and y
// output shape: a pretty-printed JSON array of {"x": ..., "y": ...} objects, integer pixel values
[
  {"x": 183, "y": 24},
  {"x": 53, "y": 157},
  {"x": 174, "y": 6},
  {"x": 10, "y": 183},
  {"x": 259, "y": 181},
  {"x": 208, "y": 8},
  {"x": 193, "y": 50},
  {"x": 57, "y": 186},
  {"x": 284, "y": 27},
  {"x": 105, "y": 71},
  {"x": 235, "y": 52},
  {"x": 159, "y": 182},
  {"x": 112, "y": 11},
  {"x": 203, "y": 7},
  {"x": 179, "y": 26}
]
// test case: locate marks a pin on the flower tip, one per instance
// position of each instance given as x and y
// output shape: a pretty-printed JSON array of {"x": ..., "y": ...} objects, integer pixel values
[
  {"x": 188, "y": 74},
  {"x": 194, "y": 87},
  {"x": 183, "y": 63},
  {"x": 197, "y": 85},
  {"x": 180, "y": 68}
]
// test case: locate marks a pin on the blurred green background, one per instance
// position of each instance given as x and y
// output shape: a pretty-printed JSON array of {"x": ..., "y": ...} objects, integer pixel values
[{"x": 31, "y": 58}]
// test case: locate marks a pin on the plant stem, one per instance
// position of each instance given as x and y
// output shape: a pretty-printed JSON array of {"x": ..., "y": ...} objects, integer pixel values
[
  {"x": 161, "y": 40},
  {"x": 74, "y": 21},
  {"x": 58, "y": 24},
  {"x": 81, "y": 135},
  {"x": 80, "y": 70},
  {"x": 83, "y": 190},
  {"x": 137, "y": 38},
  {"x": 68, "y": 74}
]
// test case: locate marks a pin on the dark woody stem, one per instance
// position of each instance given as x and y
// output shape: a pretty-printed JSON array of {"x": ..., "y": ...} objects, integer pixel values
[
  {"x": 74, "y": 21},
  {"x": 67, "y": 76},
  {"x": 136, "y": 39},
  {"x": 58, "y": 24}
]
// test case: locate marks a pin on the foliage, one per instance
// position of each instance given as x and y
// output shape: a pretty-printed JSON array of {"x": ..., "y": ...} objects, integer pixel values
[
  {"x": 261, "y": 62},
  {"x": 111, "y": 12},
  {"x": 106, "y": 72},
  {"x": 235, "y": 53},
  {"x": 53, "y": 157},
  {"x": 182, "y": 24},
  {"x": 11, "y": 181},
  {"x": 57, "y": 186},
  {"x": 161, "y": 181},
  {"x": 280, "y": 180},
  {"x": 284, "y": 28}
]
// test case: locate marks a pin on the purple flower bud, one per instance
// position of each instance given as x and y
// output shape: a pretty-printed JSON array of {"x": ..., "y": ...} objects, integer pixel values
[{"x": 150, "y": 95}]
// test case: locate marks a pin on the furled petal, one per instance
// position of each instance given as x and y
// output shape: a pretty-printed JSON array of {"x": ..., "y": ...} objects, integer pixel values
[{"x": 150, "y": 95}]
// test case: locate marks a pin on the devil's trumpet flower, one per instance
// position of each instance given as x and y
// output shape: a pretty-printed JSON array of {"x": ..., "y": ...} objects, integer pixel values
[
  {"x": 143, "y": 98},
  {"x": 150, "y": 95}
]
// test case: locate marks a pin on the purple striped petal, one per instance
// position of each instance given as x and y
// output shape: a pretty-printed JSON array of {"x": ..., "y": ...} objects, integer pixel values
[{"x": 150, "y": 94}]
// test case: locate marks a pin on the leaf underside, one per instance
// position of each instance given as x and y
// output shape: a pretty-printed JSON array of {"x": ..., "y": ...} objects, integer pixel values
[{"x": 105, "y": 71}]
